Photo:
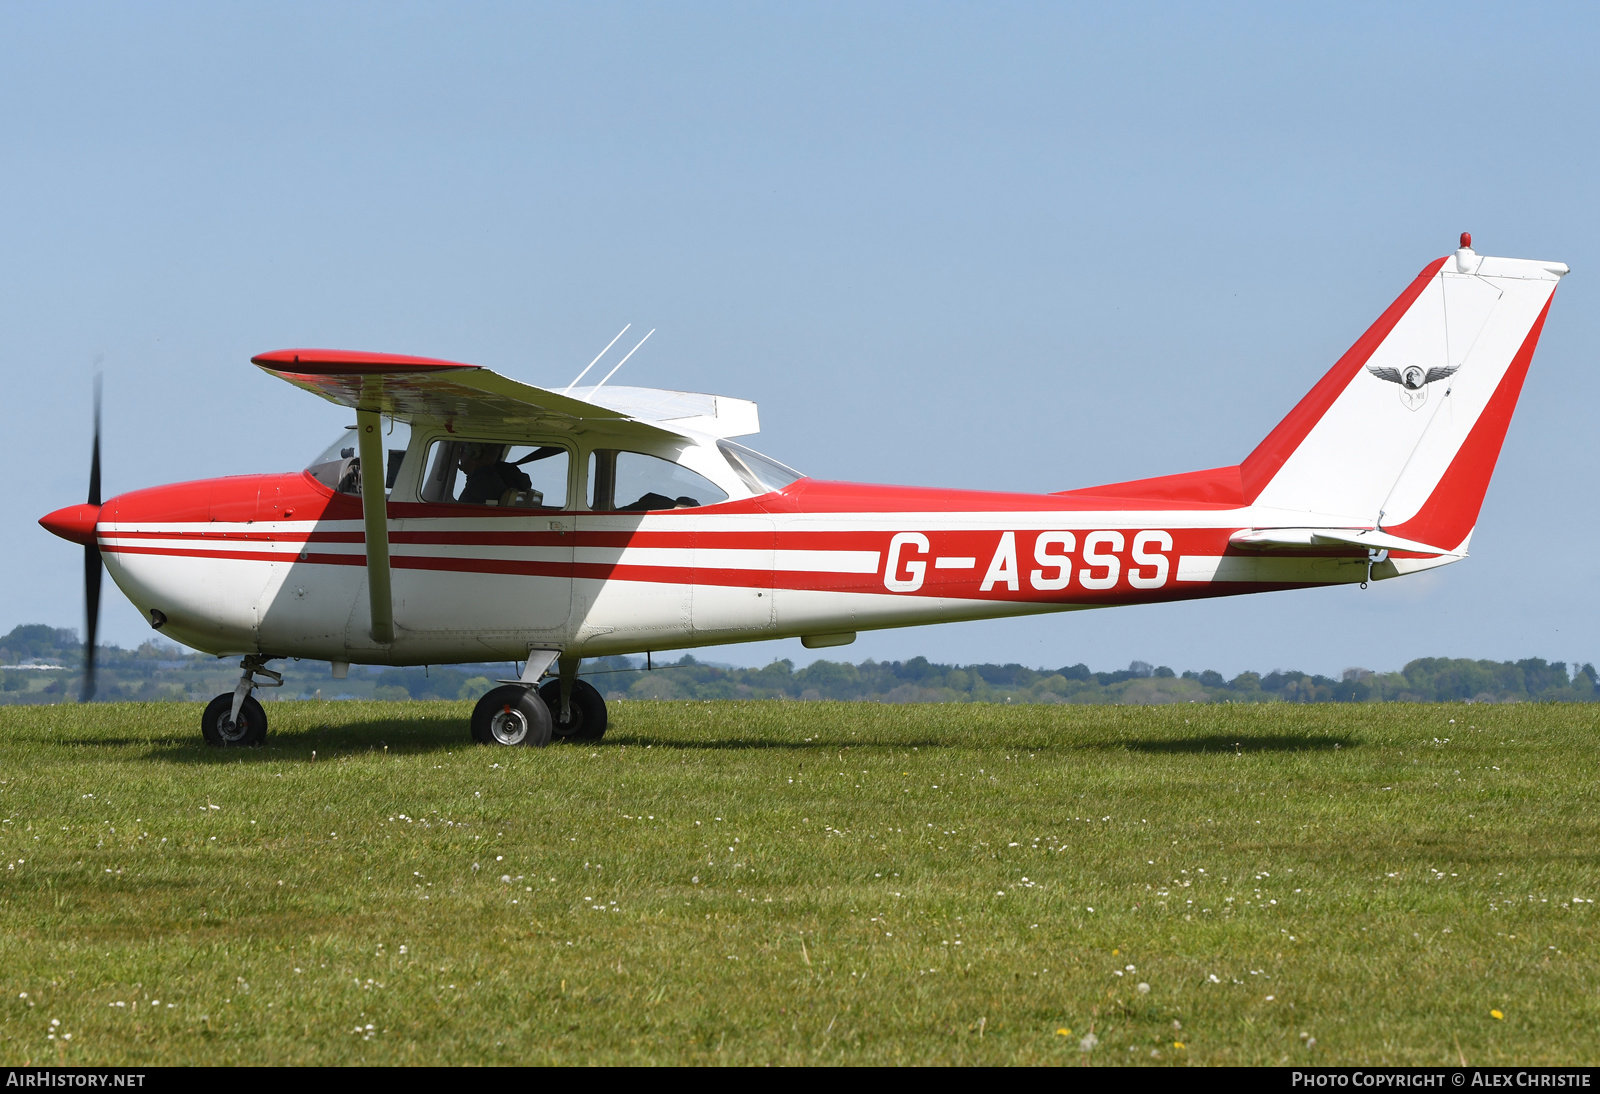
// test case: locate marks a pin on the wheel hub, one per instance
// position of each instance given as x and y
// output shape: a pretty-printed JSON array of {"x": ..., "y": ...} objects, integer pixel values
[
  {"x": 509, "y": 726},
  {"x": 566, "y": 727},
  {"x": 230, "y": 730}
]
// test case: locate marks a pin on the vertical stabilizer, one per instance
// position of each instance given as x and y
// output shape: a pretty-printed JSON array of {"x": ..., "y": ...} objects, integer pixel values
[{"x": 1405, "y": 429}]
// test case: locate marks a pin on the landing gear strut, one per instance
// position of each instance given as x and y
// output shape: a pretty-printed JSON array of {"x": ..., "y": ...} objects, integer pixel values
[
  {"x": 235, "y": 718},
  {"x": 576, "y": 707}
]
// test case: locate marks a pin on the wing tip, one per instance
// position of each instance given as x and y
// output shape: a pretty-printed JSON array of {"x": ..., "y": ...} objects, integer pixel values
[{"x": 338, "y": 362}]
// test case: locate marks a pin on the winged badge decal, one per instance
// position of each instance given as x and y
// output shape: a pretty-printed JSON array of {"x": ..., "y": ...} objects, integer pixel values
[{"x": 1413, "y": 380}]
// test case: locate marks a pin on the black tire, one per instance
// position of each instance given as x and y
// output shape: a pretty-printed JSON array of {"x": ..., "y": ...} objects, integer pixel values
[
  {"x": 511, "y": 715},
  {"x": 217, "y": 727},
  {"x": 588, "y": 722}
]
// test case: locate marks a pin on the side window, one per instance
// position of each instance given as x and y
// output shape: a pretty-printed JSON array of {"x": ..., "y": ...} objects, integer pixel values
[
  {"x": 631, "y": 482},
  {"x": 520, "y": 476}
]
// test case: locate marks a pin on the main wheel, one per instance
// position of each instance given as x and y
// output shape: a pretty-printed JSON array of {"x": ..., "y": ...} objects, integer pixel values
[
  {"x": 587, "y": 709},
  {"x": 218, "y": 727},
  {"x": 511, "y": 715}
]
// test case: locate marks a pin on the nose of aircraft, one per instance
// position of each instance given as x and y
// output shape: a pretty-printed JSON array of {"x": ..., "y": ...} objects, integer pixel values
[{"x": 75, "y": 522}]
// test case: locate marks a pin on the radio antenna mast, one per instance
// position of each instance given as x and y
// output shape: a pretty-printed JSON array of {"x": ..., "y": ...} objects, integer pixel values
[
  {"x": 624, "y": 361},
  {"x": 596, "y": 361}
]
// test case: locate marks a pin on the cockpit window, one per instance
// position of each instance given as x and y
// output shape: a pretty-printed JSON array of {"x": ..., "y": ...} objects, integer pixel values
[
  {"x": 339, "y": 465},
  {"x": 762, "y": 474},
  {"x": 520, "y": 476},
  {"x": 632, "y": 482}
]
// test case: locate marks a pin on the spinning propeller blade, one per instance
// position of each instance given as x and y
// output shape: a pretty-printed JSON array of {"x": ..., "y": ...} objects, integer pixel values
[{"x": 92, "y": 569}]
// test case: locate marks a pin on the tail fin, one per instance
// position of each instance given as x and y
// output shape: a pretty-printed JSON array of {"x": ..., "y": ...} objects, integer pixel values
[{"x": 1405, "y": 429}]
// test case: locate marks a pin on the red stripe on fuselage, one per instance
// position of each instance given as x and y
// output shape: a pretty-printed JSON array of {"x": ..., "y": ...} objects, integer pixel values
[{"x": 982, "y": 548}]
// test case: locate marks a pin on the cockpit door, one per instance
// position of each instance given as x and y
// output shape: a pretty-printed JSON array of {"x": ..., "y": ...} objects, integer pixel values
[{"x": 485, "y": 566}]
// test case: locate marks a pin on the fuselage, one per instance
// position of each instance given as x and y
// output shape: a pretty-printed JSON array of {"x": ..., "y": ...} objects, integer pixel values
[{"x": 274, "y": 565}]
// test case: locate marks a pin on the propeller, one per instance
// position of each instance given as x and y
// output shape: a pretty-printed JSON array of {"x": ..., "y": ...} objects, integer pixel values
[{"x": 92, "y": 566}]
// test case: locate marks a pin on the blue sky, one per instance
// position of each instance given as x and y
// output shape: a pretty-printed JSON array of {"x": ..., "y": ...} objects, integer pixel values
[{"x": 994, "y": 246}]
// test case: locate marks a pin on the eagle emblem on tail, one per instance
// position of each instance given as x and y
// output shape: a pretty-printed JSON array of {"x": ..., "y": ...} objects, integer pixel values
[{"x": 1413, "y": 380}]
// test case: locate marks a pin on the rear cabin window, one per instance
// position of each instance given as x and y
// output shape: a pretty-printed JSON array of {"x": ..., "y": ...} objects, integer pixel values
[
  {"x": 515, "y": 476},
  {"x": 762, "y": 474},
  {"x": 632, "y": 482}
]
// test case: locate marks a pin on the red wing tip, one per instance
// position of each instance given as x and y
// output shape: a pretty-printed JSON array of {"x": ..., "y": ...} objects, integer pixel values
[
  {"x": 339, "y": 361},
  {"x": 75, "y": 523}
]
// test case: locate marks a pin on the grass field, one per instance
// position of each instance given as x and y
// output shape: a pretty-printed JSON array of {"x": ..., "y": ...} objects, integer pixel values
[{"x": 804, "y": 882}]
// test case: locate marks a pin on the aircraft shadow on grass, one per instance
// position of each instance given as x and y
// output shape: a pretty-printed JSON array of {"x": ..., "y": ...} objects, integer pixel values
[
  {"x": 436, "y": 735},
  {"x": 1236, "y": 743},
  {"x": 448, "y": 734},
  {"x": 756, "y": 744}
]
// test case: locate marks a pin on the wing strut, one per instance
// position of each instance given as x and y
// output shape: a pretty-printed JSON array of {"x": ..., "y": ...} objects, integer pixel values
[{"x": 375, "y": 509}]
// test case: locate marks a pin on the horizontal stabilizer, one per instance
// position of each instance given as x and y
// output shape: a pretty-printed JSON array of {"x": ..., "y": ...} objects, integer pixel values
[{"x": 1374, "y": 539}]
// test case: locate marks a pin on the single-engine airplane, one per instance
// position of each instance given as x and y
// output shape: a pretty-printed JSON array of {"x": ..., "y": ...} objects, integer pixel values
[{"x": 467, "y": 517}]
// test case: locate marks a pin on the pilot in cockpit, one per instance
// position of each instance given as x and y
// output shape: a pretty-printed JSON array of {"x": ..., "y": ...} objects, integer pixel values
[{"x": 488, "y": 476}]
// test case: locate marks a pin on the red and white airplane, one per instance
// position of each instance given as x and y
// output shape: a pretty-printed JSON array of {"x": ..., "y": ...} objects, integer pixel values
[{"x": 468, "y": 517}]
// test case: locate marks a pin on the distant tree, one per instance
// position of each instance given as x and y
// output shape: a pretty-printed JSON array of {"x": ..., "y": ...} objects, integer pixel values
[{"x": 38, "y": 640}]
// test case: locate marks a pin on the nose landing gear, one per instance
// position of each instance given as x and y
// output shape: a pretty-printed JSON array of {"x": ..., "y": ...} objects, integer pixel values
[{"x": 234, "y": 718}]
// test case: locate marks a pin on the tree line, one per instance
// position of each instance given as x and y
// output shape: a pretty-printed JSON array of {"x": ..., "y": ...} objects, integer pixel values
[{"x": 159, "y": 671}]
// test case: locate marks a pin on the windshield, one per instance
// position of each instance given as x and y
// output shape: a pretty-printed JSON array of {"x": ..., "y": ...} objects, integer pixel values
[
  {"x": 762, "y": 474},
  {"x": 339, "y": 465}
]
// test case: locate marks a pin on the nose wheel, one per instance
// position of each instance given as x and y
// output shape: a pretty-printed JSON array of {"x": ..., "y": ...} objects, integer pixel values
[
  {"x": 222, "y": 729},
  {"x": 234, "y": 718}
]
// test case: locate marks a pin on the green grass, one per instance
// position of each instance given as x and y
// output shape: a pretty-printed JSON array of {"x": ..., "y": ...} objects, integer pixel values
[{"x": 803, "y": 882}]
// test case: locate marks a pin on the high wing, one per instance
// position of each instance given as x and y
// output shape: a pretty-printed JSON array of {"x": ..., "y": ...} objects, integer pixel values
[
  {"x": 717, "y": 415},
  {"x": 411, "y": 388}
]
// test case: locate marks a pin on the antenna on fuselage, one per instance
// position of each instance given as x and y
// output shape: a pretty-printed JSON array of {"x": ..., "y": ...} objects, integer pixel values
[
  {"x": 596, "y": 361},
  {"x": 624, "y": 361}
]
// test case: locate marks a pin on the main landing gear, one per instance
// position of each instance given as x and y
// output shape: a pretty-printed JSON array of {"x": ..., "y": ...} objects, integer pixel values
[
  {"x": 512, "y": 715},
  {"x": 524, "y": 713},
  {"x": 234, "y": 719}
]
